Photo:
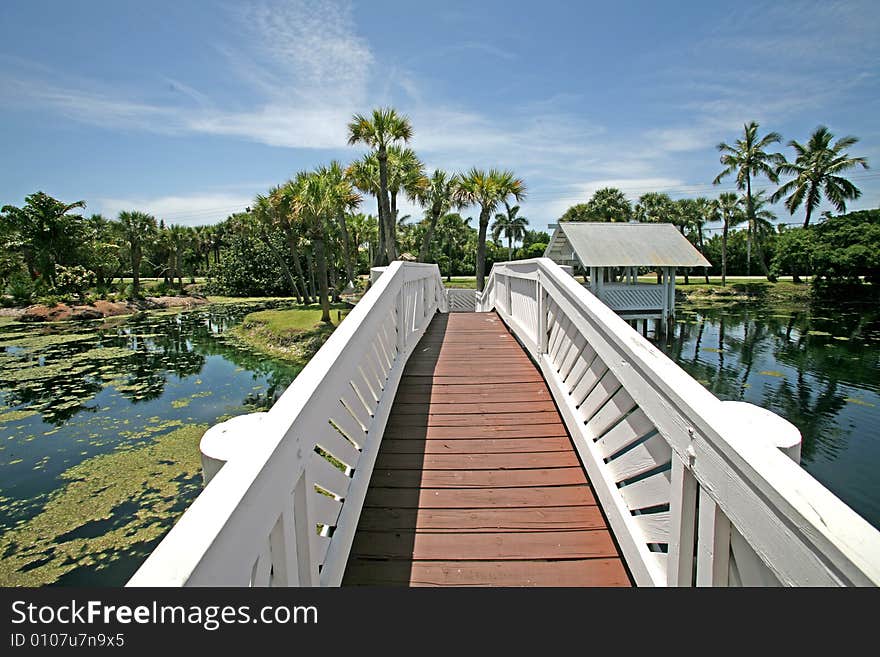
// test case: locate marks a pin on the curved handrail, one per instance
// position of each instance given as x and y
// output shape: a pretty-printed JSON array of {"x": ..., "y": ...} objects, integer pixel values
[
  {"x": 694, "y": 490},
  {"x": 256, "y": 521}
]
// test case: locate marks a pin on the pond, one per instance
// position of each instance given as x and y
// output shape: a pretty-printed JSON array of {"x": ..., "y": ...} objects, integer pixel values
[
  {"x": 817, "y": 366},
  {"x": 99, "y": 431}
]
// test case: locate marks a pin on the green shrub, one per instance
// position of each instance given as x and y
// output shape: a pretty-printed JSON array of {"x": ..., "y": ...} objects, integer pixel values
[{"x": 22, "y": 289}]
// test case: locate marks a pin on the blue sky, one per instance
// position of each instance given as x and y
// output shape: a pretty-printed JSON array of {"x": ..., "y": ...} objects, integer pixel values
[{"x": 188, "y": 109}]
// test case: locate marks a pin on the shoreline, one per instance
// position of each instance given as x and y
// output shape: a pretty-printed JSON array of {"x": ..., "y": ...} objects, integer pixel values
[{"x": 100, "y": 309}]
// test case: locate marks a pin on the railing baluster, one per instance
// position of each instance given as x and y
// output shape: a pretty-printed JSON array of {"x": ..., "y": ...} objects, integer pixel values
[
  {"x": 713, "y": 543},
  {"x": 682, "y": 511}
]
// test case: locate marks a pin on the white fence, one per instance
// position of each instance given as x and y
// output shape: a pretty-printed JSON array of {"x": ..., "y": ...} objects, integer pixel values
[
  {"x": 695, "y": 489},
  {"x": 279, "y": 513}
]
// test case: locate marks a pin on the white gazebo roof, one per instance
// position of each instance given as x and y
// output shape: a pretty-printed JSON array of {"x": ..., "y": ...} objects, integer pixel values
[{"x": 596, "y": 244}]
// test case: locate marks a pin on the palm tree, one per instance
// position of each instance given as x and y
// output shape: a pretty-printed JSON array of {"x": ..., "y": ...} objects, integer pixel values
[
  {"x": 364, "y": 176},
  {"x": 264, "y": 214},
  {"x": 609, "y": 204},
  {"x": 511, "y": 226},
  {"x": 48, "y": 231},
  {"x": 487, "y": 189},
  {"x": 346, "y": 200},
  {"x": 655, "y": 207},
  {"x": 816, "y": 172},
  {"x": 177, "y": 240},
  {"x": 748, "y": 158},
  {"x": 139, "y": 229},
  {"x": 382, "y": 129},
  {"x": 438, "y": 198},
  {"x": 406, "y": 174},
  {"x": 706, "y": 211},
  {"x": 730, "y": 210},
  {"x": 284, "y": 216},
  {"x": 686, "y": 216},
  {"x": 313, "y": 198}
]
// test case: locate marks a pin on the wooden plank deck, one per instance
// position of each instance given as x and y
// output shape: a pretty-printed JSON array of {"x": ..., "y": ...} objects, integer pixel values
[{"x": 477, "y": 482}]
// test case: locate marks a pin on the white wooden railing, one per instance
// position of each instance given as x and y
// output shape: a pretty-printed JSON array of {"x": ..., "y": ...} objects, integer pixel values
[
  {"x": 696, "y": 490},
  {"x": 279, "y": 513}
]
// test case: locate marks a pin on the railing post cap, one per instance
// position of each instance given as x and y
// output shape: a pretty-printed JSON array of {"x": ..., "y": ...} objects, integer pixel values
[
  {"x": 753, "y": 420},
  {"x": 225, "y": 440}
]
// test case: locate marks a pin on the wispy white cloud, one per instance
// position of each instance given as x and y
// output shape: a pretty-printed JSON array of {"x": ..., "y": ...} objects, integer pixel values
[{"x": 192, "y": 210}]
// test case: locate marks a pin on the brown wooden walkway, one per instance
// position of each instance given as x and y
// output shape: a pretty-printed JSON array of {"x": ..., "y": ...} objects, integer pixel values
[{"x": 477, "y": 482}]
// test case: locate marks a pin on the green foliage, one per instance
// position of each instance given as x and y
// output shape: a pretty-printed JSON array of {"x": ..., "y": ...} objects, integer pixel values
[
  {"x": 21, "y": 288},
  {"x": 74, "y": 279},
  {"x": 655, "y": 207},
  {"x": 44, "y": 232},
  {"x": 794, "y": 252},
  {"x": 577, "y": 212},
  {"x": 848, "y": 246},
  {"x": 609, "y": 204},
  {"x": 248, "y": 268}
]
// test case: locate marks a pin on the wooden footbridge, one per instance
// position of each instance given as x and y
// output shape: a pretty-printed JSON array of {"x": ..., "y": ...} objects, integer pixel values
[{"x": 539, "y": 441}]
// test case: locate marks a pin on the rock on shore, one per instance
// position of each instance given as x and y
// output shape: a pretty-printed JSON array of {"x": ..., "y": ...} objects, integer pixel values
[{"x": 101, "y": 308}]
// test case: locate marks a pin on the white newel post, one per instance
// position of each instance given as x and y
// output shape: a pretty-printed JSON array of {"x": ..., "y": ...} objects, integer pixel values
[{"x": 224, "y": 441}]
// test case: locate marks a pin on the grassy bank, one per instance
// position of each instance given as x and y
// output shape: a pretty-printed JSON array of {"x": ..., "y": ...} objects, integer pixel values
[
  {"x": 748, "y": 290},
  {"x": 294, "y": 334}
]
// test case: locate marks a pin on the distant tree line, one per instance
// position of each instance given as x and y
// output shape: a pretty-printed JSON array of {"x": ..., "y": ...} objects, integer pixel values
[
  {"x": 816, "y": 173},
  {"x": 305, "y": 237}
]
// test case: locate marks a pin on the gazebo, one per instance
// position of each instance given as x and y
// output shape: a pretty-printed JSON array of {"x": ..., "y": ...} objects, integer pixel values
[{"x": 610, "y": 254}]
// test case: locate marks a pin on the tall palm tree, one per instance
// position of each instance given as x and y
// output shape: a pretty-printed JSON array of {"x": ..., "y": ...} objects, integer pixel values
[
  {"x": 685, "y": 217},
  {"x": 284, "y": 216},
  {"x": 511, "y": 226},
  {"x": 264, "y": 213},
  {"x": 364, "y": 176},
  {"x": 438, "y": 198},
  {"x": 487, "y": 189},
  {"x": 731, "y": 213},
  {"x": 816, "y": 172},
  {"x": 706, "y": 211},
  {"x": 177, "y": 240},
  {"x": 383, "y": 128},
  {"x": 748, "y": 158},
  {"x": 346, "y": 200},
  {"x": 139, "y": 229},
  {"x": 406, "y": 175},
  {"x": 313, "y": 199}
]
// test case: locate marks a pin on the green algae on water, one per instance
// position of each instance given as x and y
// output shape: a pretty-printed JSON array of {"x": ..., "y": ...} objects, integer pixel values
[
  {"x": 15, "y": 416},
  {"x": 130, "y": 494}
]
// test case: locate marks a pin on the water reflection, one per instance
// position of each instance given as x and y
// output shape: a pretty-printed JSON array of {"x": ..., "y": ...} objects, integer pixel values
[
  {"x": 99, "y": 430},
  {"x": 816, "y": 366}
]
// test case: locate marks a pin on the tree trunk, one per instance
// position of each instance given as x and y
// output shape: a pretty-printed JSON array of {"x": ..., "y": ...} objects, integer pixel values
[
  {"x": 392, "y": 224},
  {"x": 135, "y": 270},
  {"x": 346, "y": 248},
  {"x": 318, "y": 245},
  {"x": 384, "y": 211},
  {"x": 509, "y": 248},
  {"x": 750, "y": 216},
  {"x": 481, "y": 248},
  {"x": 379, "y": 257},
  {"x": 724, "y": 253},
  {"x": 297, "y": 265},
  {"x": 429, "y": 235},
  {"x": 759, "y": 251},
  {"x": 703, "y": 251},
  {"x": 809, "y": 206},
  {"x": 310, "y": 264},
  {"x": 264, "y": 238}
]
